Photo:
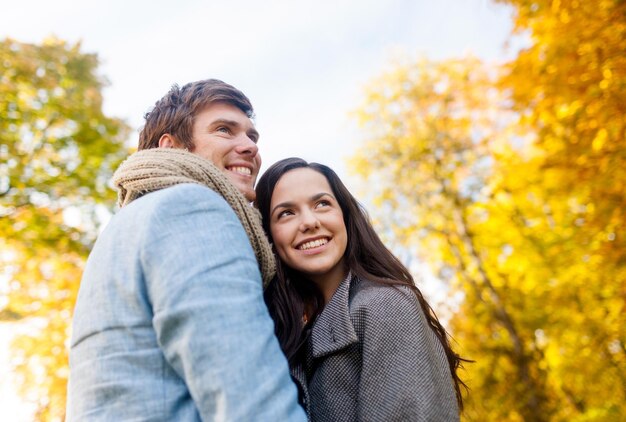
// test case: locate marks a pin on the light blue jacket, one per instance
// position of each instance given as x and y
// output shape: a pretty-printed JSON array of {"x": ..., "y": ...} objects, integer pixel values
[{"x": 170, "y": 323}]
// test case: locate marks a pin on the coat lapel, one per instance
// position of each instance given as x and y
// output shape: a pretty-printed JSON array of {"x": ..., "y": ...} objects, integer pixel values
[
  {"x": 333, "y": 329},
  {"x": 299, "y": 375}
]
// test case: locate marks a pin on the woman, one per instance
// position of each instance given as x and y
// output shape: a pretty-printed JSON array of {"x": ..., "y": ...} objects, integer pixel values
[{"x": 361, "y": 340}]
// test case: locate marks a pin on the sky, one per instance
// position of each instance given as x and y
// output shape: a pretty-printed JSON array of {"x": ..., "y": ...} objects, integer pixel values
[{"x": 303, "y": 64}]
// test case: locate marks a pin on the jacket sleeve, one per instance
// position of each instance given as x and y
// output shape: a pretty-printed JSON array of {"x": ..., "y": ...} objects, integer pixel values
[
  {"x": 209, "y": 316},
  {"x": 405, "y": 375}
]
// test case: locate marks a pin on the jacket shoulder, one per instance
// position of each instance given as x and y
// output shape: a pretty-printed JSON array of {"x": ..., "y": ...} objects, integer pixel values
[{"x": 182, "y": 195}]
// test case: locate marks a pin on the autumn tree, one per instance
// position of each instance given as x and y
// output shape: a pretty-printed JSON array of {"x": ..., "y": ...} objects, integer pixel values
[
  {"x": 509, "y": 182},
  {"x": 57, "y": 152},
  {"x": 569, "y": 88},
  {"x": 435, "y": 130}
]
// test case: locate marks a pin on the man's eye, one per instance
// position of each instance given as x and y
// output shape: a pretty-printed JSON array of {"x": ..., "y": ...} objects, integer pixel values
[{"x": 223, "y": 129}]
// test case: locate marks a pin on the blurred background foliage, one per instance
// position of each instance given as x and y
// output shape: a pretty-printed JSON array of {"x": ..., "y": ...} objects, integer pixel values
[
  {"x": 508, "y": 181},
  {"x": 57, "y": 152}
]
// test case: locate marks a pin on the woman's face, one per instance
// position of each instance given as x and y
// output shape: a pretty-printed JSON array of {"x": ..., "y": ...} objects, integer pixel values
[{"x": 307, "y": 226}]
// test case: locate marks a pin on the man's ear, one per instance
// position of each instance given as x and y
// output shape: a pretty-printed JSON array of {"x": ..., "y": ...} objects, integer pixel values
[{"x": 167, "y": 141}]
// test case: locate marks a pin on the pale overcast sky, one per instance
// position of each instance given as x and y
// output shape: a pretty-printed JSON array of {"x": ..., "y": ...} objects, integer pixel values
[{"x": 302, "y": 63}]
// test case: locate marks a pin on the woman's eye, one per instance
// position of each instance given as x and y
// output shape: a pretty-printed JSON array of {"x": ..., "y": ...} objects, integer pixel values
[
  {"x": 284, "y": 213},
  {"x": 321, "y": 204}
]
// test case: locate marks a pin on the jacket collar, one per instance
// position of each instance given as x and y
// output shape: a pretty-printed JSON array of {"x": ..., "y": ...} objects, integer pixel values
[{"x": 333, "y": 329}]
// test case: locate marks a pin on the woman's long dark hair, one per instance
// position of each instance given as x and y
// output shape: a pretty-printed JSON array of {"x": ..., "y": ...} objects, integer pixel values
[{"x": 290, "y": 294}]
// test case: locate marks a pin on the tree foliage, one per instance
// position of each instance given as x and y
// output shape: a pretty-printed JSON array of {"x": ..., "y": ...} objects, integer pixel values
[
  {"x": 57, "y": 152},
  {"x": 510, "y": 182}
]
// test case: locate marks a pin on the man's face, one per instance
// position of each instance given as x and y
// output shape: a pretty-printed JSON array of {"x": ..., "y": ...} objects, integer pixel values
[{"x": 224, "y": 134}]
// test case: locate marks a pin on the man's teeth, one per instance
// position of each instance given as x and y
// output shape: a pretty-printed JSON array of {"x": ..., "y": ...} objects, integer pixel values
[
  {"x": 314, "y": 244},
  {"x": 241, "y": 170}
]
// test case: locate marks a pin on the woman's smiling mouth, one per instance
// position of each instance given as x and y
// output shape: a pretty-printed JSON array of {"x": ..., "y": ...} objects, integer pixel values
[{"x": 312, "y": 244}]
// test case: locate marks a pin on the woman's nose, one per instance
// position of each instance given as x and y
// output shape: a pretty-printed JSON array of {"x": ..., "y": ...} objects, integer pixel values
[{"x": 309, "y": 222}]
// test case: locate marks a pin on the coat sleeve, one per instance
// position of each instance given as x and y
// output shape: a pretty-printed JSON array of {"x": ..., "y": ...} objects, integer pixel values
[
  {"x": 209, "y": 315},
  {"x": 405, "y": 375}
]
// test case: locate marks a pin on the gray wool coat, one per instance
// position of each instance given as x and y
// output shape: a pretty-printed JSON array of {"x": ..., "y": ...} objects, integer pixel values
[{"x": 371, "y": 356}]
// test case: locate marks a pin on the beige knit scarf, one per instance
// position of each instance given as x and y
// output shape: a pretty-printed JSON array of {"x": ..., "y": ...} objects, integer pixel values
[{"x": 159, "y": 168}]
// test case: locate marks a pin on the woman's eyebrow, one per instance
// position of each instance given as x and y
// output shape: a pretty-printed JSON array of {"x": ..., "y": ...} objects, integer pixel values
[
  {"x": 289, "y": 204},
  {"x": 285, "y": 204},
  {"x": 320, "y": 195}
]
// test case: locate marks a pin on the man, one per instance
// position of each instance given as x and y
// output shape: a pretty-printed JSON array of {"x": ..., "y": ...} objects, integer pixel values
[{"x": 170, "y": 323}]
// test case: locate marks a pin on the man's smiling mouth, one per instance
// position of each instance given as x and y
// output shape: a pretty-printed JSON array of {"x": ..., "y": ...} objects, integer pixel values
[{"x": 240, "y": 170}]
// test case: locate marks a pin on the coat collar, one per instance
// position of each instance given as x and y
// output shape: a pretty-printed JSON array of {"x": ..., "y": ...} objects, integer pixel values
[{"x": 333, "y": 329}]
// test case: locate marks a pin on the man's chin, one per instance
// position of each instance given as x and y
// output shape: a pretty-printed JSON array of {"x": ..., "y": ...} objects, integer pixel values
[
  {"x": 249, "y": 196},
  {"x": 242, "y": 184},
  {"x": 246, "y": 190}
]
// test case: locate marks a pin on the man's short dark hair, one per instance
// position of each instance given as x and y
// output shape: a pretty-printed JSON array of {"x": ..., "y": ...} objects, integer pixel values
[{"x": 176, "y": 111}]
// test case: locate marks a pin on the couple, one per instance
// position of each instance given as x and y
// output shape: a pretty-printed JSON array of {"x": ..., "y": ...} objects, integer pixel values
[{"x": 172, "y": 321}]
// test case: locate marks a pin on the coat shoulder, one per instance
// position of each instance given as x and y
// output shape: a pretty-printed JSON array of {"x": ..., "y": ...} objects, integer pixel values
[{"x": 382, "y": 300}]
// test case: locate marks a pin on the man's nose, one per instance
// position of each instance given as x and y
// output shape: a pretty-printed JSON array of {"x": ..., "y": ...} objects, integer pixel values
[{"x": 246, "y": 145}]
